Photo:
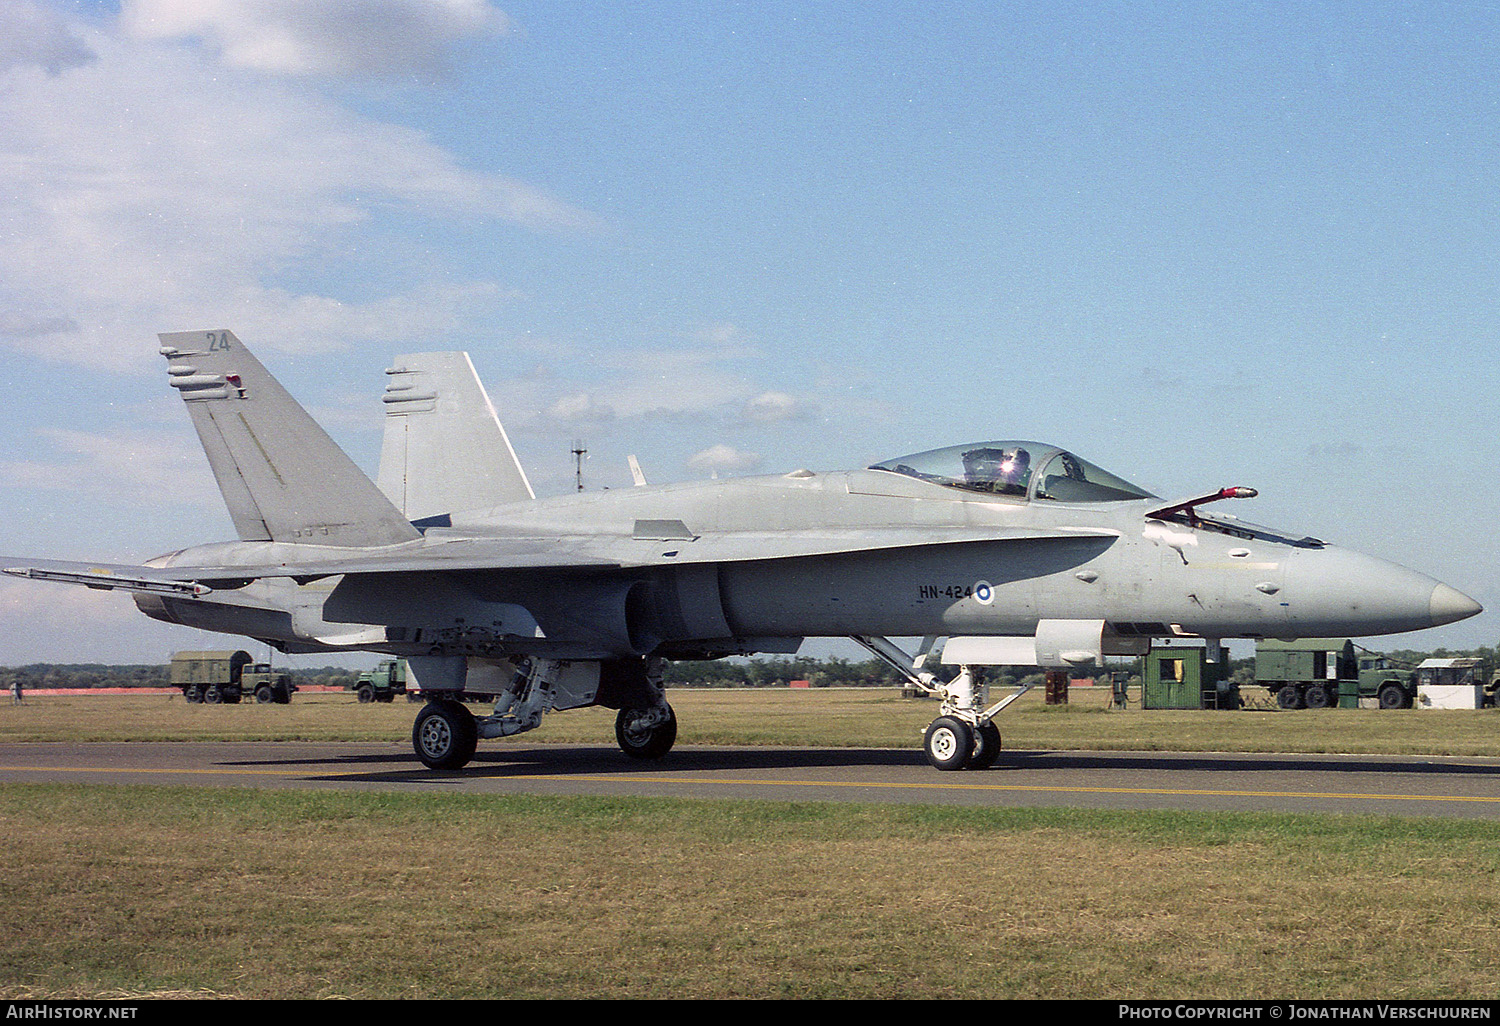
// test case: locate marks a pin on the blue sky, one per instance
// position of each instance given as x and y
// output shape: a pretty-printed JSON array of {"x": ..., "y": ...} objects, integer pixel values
[{"x": 1200, "y": 244}]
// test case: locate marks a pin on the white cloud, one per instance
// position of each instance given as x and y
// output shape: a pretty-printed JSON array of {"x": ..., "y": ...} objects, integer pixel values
[
  {"x": 36, "y": 36},
  {"x": 667, "y": 383},
  {"x": 150, "y": 189},
  {"x": 724, "y": 457},
  {"x": 298, "y": 37},
  {"x": 138, "y": 468},
  {"x": 579, "y": 407},
  {"x": 774, "y": 407}
]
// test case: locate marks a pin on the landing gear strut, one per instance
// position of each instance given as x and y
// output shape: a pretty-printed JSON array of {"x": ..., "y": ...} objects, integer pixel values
[
  {"x": 646, "y": 727},
  {"x": 965, "y": 736},
  {"x": 446, "y": 734}
]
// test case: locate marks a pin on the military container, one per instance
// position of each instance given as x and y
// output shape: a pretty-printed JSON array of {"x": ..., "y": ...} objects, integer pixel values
[
  {"x": 226, "y": 677},
  {"x": 1462, "y": 683},
  {"x": 1183, "y": 677},
  {"x": 1313, "y": 673},
  {"x": 1318, "y": 673}
]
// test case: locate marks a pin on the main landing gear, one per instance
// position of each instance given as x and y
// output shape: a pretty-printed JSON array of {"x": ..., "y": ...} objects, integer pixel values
[
  {"x": 646, "y": 733},
  {"x": 446, "y": 734}
]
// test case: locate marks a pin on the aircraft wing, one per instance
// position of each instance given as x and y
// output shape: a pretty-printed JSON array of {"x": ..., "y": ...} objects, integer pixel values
[{"x": 654, "y": 543}]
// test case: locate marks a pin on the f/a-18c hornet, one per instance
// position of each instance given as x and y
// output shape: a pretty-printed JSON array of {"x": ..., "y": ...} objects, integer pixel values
[{"x": 1016, "y": 552}]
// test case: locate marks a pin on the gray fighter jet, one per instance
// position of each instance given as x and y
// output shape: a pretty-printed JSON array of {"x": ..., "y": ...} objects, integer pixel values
[{"x": 1016, "y": 552}]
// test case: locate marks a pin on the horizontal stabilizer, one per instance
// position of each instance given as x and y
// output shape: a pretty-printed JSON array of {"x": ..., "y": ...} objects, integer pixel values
[{"x": 282, "y": 477}]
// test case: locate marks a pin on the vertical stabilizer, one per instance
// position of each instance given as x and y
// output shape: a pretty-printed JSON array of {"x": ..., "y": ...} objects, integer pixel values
[
  {"x": 444, "y": 448},
  {"x": 282, "y": 477}
]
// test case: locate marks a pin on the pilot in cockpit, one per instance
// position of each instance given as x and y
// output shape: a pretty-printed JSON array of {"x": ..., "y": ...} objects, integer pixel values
[{"x": 997, "y": 470}]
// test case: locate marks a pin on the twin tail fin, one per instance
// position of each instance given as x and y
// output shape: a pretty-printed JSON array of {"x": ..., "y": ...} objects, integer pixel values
[{"x": 282, "y": 477}]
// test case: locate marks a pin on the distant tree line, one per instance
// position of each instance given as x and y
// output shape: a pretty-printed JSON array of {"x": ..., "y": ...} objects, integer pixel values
[
  {"x": 833, "y": 672},
  {"x": 771, "y": 673}
]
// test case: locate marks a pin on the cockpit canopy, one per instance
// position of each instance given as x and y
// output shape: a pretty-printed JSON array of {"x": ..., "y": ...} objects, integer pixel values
[{"x": 1022, "y": 470}]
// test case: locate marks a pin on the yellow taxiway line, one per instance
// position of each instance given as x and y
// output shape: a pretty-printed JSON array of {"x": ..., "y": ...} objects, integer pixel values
[{"x": 761, "y": 782}]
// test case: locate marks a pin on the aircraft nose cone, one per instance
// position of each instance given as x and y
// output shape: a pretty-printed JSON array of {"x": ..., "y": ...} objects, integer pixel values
[
  {"x": 1449, "y": 605},
  {"x": 1333, "y": 592}
]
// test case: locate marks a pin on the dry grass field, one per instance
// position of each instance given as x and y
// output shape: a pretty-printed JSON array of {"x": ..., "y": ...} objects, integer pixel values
[
  {"x": 838, "y": 717},
  {"x": 136, "y": 892},
  {"x": 258, "y": 894}
]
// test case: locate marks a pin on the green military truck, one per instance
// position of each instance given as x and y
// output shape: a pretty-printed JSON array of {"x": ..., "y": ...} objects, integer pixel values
[
  {"x": 1391, "y": 685},
  {"x": 1323, "y": 673},
  {"x": 227, "y": 677},
  {"x": 383, "y": 683}
]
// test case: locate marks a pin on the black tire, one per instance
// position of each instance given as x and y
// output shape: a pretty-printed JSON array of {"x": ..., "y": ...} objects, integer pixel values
[
  {"x": 212, "y": 696},
  {"x": 646, "y": 742},
  {"x": 1318, "y": 697},
  {"x": 364, "y": 693},
  {"x": 1392, "y": 696},
  {"x": 986, "y": 746},
  {"x": 445, "y": 735},
  {"x": 193, "y": 694},
  {"x": 949, "y": 742},
  {"x": 264, "y": 695},
  {"x": 1289, "y": 697}
]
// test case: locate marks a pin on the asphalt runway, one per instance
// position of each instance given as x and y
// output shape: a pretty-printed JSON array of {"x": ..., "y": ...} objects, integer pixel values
[{"x": 1381, "y": 785}]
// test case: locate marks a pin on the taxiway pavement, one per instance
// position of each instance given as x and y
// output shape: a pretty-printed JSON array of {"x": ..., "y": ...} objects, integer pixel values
[{"x": 1383, "y": 785}]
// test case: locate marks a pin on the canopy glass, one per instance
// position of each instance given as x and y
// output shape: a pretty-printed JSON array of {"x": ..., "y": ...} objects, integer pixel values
[{"x": 1022, "y": 470}]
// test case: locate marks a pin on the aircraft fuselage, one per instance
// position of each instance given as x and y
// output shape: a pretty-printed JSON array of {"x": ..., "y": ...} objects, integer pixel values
[{"x": 693, "y": 568}]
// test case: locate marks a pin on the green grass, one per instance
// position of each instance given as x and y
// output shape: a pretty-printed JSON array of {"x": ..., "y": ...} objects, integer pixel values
[
  {"x": 268, "y": 894},
  {"x": 149, "y": 891}
]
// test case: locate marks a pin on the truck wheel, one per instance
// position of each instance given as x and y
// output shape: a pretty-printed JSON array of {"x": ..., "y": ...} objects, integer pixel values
[
  {"x": 212, "y": 695},
  {"x": 193, "y": 694},
  {"x": 1289, "y": 697},
  {"x": 263, "y": 695},
  {"x": 445, "y": 735},
  {"x": 1392, "y": 696},
  {"x": 365, "y": 693},
  {"x": 1318, "y": 697}
]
